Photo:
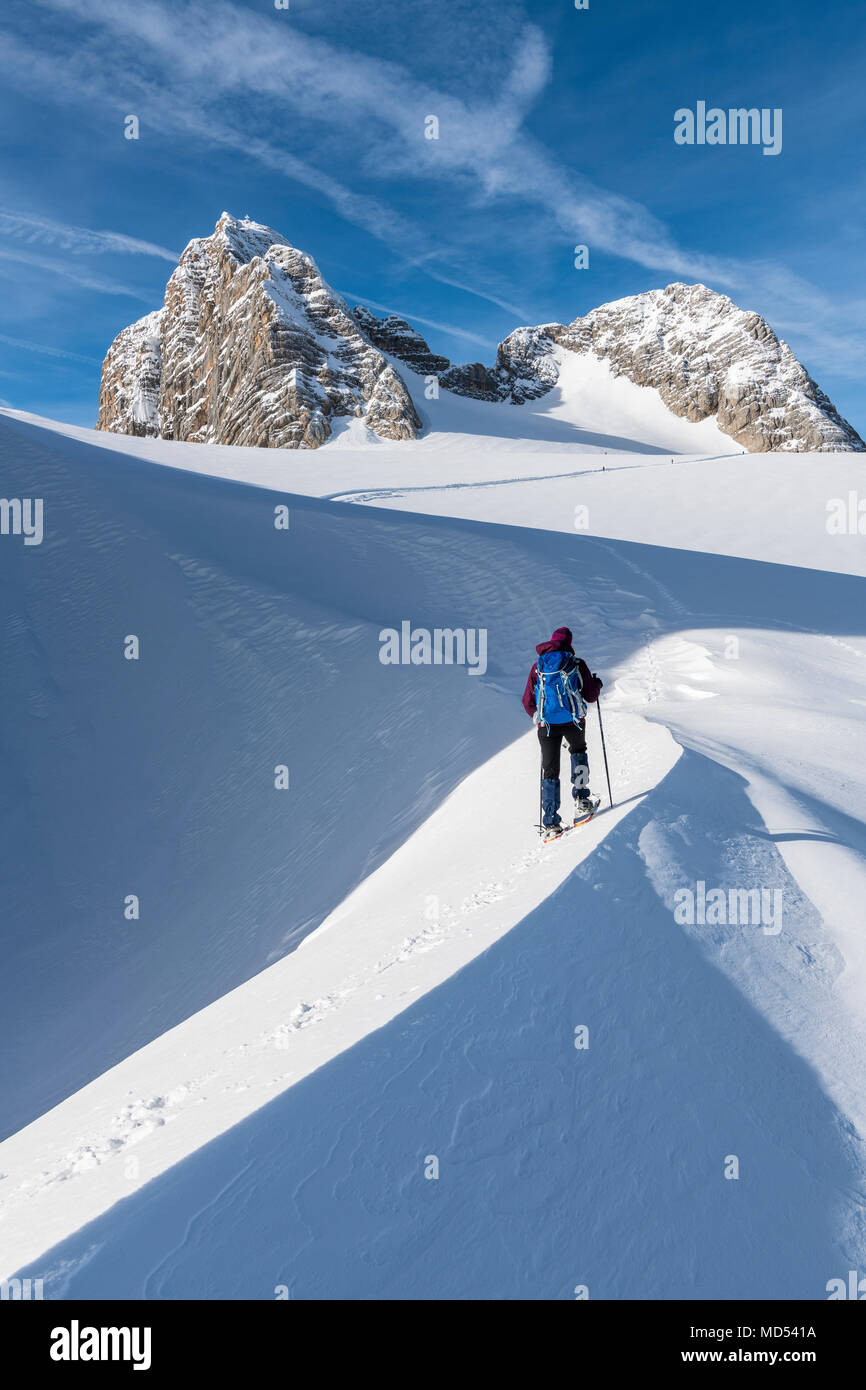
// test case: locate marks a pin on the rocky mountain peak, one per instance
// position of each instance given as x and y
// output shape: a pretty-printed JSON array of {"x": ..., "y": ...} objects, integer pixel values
[
  {"x": 697, "y": 349},
  {"x": 705, "y": 356},
  {"x": 251, "y": 346}
]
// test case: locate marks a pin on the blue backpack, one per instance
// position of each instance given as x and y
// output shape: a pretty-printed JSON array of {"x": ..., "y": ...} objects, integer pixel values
[{"x": 558, "y": 697}]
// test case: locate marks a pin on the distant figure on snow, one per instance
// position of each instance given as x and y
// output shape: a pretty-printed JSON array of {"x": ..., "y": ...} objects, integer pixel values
[{"x": 558, "y": 689}]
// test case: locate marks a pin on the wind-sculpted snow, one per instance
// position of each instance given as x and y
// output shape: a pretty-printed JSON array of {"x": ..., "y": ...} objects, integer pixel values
[
  {"x": 252, "y": 348},
  {"x": 466, "y": 1148},
  {"x": 196, "y": 1108}
]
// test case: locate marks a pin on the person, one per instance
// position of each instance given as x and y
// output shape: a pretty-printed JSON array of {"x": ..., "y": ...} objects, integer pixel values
[{"x": 558, "y": 689}]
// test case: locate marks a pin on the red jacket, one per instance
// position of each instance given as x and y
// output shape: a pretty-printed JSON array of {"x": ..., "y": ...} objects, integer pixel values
[{"x": 561, "y": 642}]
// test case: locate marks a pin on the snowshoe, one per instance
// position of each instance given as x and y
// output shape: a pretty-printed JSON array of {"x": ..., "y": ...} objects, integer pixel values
[
  {"x": 585, "y": 808},
  {"x": 553, "y": 832}
]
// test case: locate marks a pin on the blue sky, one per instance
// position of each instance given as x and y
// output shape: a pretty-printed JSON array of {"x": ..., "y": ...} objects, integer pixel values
[{"x": 555, "y": 128}]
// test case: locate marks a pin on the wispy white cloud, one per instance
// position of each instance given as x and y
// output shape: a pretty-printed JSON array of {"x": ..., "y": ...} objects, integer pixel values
[
  {"x": 46, "y": 350},
  {"x": 71, "y": 273},
  {"x": 78, "y": 240},
  {"x": 187, "y": 107},
  {"x": 246, "y": 62},
  {"x": 487, "y": 295},
  {"x": 238, "y": 52}
]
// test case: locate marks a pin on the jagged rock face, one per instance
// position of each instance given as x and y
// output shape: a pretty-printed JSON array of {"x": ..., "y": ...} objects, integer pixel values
[
  {"x": 473, "y": 379},
  {"x": 129, "y": 390},
  {"x": 252, "y": 348},
  {"x": 524, "y": 370},
  {"x": 697, "y": 349},
  {"x": 524, "y": 363},
  {"x": 701, "y": 353},
  {"x": 393, "y": 334},
  {"x": 705, "y": 356}
]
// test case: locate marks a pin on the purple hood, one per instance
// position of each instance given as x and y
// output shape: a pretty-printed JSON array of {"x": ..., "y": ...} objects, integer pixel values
[{"x": 560, "y": 641}]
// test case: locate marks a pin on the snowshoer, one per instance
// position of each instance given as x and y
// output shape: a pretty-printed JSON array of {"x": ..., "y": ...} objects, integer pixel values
[{"x": 558, "y": 689}]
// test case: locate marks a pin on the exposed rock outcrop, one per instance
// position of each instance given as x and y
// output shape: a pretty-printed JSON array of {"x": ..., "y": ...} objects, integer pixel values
[
  {"x": 701, "y": 353},
  {"x": 131, "y": 373},
  {"x": 393, "y": 334},
  {"x": 252, "y": 347},
  {"x": 705, "y": 356}
]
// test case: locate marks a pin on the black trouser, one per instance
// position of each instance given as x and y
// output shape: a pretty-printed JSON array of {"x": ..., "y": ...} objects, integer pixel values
[{"x": 550, "y": 737}]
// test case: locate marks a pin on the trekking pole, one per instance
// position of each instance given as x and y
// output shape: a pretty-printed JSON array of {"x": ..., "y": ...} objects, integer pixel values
[
  {"x": 603, "y": 749},
  {"x": 540, "y": 812}
]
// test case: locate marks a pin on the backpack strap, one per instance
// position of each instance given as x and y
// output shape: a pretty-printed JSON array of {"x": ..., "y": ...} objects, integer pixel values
[
  {"x": 541, "y": 676},
  {"x": 577, "y": 706}
]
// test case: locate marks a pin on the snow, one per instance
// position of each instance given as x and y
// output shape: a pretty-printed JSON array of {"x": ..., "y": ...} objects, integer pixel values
[
  {"x": 701, "y": 351},
  {"x": 758, "y": 506},
  {"x": 249, "y": 1115},
  {"x": 621, "y": 414},
  {"x": 589, "y": 410},
  {"x": 387, "y": 943}
]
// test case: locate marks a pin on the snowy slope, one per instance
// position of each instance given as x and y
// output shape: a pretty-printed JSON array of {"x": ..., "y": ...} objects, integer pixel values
[
  {"x": 281, "y": 1130},
  {"x": 588, "y": 395},
  {"x": 156, "y": 777},
  {"x": 410, "y": 925},
  {"x": 769, "y": 506},
  {"x": 589, "y": 409},
  {"x": 705, "y": 356}
]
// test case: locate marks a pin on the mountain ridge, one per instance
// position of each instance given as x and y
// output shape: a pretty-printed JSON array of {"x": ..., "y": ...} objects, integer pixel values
[{"x": 252, "y": 346}]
